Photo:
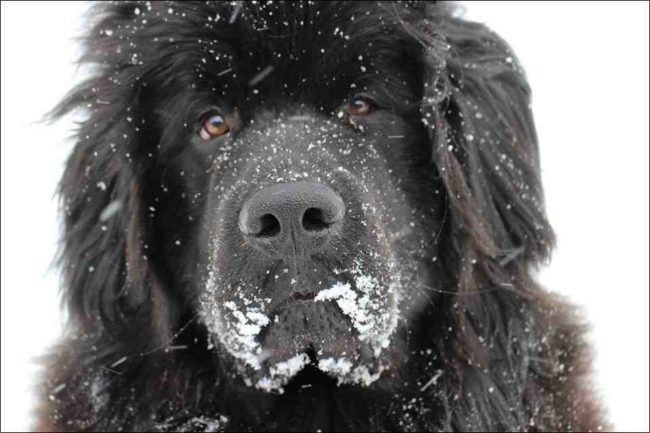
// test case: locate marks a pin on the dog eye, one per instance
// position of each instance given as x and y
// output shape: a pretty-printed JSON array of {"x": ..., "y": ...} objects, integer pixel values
[
  {"x": 213, "y": 126},
  {"x": 360, "y": 105}
]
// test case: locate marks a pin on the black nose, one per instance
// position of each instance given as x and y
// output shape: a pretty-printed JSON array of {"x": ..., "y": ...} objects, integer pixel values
[{"x": 291, "y": 218}]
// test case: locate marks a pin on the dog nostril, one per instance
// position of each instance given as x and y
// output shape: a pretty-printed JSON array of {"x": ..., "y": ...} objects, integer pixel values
[
  {"x": 313, "y": 220},
  {"x": 270, "y": 226},
  {"x": 289, "y": 219}
]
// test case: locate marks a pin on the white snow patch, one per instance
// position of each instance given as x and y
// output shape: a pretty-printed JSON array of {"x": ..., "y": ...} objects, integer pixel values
[
  {"x": 338, "y": 290},
  {"x": 335, "y": 366},
  {"x": 281, "y": 372},
  {"x": 291, "y": 366},
  {"x": 238, "y": 336},
  {"x": 365, "y": 283},
  {"x": 249, "y": 329},
  {"x": 364, "y": 312},
  {"x": 362, "y": 375}
]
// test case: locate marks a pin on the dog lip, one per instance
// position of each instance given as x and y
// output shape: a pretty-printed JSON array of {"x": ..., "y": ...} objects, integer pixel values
[
  {"x": 299, "y": 296},
  {"x": 296, "y": 297}
]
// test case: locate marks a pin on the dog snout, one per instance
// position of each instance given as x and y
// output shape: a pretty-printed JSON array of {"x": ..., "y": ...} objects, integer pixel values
[{"x": 291, "y": 218}]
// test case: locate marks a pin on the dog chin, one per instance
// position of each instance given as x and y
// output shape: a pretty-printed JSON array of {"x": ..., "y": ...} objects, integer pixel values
[
  {"x": 347, "y": 365},
  {"x": 315, "y": 334},
  {"x": 341, "y": 331}
]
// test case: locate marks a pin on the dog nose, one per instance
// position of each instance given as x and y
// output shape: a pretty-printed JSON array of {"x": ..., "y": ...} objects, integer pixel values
[{"x": 291, "y": 218}]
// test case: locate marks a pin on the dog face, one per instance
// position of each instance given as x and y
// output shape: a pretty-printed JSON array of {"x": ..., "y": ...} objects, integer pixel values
[
  {"x": 304, "y": 165},
  {"x": 307, "y": 254},
  {"x": 292, "y": 176}
]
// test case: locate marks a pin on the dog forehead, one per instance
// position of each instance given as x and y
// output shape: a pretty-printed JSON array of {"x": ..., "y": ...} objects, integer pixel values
[
  {"x": 319, "y": 50},
  {"x": 299, "y": 46},
  {"x": 302, "y": 40}
]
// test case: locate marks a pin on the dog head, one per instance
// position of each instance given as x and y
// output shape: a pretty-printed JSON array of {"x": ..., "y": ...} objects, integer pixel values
[{"x": 297, "y": 179}]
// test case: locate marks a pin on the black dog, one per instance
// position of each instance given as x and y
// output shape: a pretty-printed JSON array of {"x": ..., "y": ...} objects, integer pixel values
[{"x": 306, "y": 215}]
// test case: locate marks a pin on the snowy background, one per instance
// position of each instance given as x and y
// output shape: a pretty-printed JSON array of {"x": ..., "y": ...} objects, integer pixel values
[{"x": 588, "y": 67}]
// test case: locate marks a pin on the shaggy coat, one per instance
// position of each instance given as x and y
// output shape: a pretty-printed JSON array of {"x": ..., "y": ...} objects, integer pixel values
[{"x": 447, "y": 160}]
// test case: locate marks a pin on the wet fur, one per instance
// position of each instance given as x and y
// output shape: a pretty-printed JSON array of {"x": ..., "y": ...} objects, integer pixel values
[{"x": 505, "y": 354}]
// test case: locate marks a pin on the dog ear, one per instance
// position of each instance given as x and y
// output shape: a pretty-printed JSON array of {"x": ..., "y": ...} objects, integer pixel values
[
  {"x": 101, "y": 205},
  {"x": 476, "y": 107},
  {"x": 109, "y": 283}
]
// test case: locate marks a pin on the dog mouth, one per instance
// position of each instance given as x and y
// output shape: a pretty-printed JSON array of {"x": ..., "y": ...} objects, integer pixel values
[
  {"x": 338, "y": 355},
  {"x": 301, "y": 297},
  {"x": 339, "y": 330},
  {"x": 345, "y": 367}
]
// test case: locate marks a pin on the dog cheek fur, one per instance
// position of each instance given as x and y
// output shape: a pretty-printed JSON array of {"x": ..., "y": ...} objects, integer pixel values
[
  {"x": 507, "y": 355},
  {"x": 477, "y": 106}
]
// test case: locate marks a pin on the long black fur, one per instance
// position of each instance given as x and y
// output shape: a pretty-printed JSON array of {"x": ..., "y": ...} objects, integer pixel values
[{"x": 494, "y": 351}]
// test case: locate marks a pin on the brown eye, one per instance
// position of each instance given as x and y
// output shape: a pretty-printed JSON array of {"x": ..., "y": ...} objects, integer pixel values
[
  {"x": 213, "y": 126},
  {"x": 360, "y": 105}
]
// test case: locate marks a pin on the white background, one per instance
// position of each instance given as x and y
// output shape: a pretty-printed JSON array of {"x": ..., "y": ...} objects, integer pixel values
[{"x": 588, "y": 67}]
